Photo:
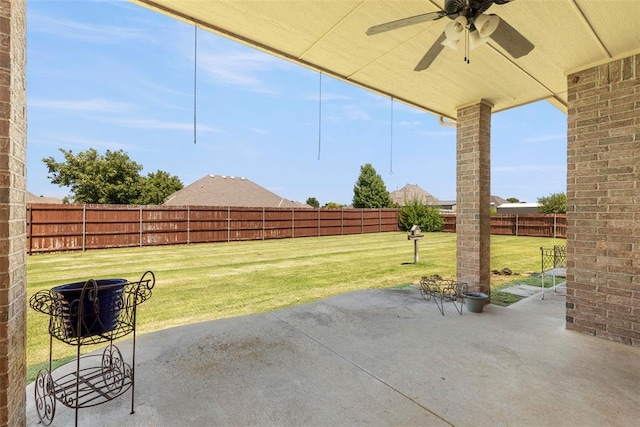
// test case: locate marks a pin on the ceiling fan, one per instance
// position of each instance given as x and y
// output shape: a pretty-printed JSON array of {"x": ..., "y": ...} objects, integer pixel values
[{"x": 468, "y": 22}]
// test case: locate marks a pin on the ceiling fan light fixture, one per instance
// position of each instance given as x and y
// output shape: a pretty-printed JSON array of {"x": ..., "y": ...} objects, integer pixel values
[
  {"x": 476, "y": 40},
  {"x": 486, "y": 24},
  {"x": 471, "y": 24},
  {"x": 456, "y": 28}
]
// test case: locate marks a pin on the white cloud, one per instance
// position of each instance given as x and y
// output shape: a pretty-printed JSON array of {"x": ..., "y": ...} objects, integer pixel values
[
  {"x": 90, "y": 105},
  {"x": 158, "y": 124},
  {"x": 66, "y": 28},
  {"x": 239, "y": 68}
]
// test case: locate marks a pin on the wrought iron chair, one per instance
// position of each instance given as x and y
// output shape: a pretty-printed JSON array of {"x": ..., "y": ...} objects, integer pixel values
[{"x": 554, "y": 264}]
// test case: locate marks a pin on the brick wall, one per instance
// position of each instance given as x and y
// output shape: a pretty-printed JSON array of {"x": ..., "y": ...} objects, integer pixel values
[
  {"x": 603, "y": 212},
  {"x": 473, "y": 183},
  {"x": 12, "y": 213}
]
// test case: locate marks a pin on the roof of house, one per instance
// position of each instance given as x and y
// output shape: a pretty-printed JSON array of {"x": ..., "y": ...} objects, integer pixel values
[
  {"x": 32, "y": 198},
  {"x": 497, "y": 201},
  {"x": 221, "y": 190},
  {"x": 518, "y": 205},
  {"x": 412, "y": 192}
]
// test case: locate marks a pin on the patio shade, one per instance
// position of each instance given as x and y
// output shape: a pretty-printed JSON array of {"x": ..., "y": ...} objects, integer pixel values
[{"x": 330, "y": 36}]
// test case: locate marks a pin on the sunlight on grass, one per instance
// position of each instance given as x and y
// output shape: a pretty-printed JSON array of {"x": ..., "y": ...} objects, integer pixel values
[{"x": 202, "y": 282}]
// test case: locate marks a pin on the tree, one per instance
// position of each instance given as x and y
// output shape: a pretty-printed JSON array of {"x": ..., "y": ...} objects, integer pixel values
[
  {"x": 369, "y": 190},
  {"x": 513, "y": 200},
  {"x": 427, "y": 217},
  {"x": 554, "y": 203},
  {"x": 111, "y": 178},
  {"x": 157, "y": 186},
  {"x": 312, "y": 201}
]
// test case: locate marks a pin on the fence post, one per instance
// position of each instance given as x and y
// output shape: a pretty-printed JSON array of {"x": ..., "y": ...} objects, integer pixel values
[
  {"x": 264, "y": 223},
  {"x": 516, "y": 224},
  {"x": 228, "y": 224},
  {"x": 30, "y": 217},
  {"x": 554, "y": 225},
  {"x": 293, "y": 223},
  {"x": 342, "y": 221},
  {"x": 84, "y": 226},
  {"x": 361, "y": 221},
  {"x": 318, "y": 221},
  {"x": 379, "y": 220},
  {"x": 188, "y": 225},
  {"x": 141, "y": 225}
]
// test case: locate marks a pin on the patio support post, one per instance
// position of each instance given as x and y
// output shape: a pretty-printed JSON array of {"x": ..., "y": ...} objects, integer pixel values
[
  {"x": 603, "y": 201},
  {"x": 13, "y": 237},
  {"x": 473, "y": 192}
]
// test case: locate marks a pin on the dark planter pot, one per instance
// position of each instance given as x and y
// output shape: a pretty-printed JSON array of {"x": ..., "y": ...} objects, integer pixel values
[
  {"x": 94, "y": 313},
  {"x": 475, "y": 301}
]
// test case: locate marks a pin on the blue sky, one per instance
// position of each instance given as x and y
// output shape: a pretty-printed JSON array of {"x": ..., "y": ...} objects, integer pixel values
[{"x": 113, "y": 75}]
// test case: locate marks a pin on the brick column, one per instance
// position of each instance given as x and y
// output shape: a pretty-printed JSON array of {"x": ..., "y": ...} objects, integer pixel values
[
  {"x": 13, "y": 144},
  {"x": 603, "y": 209},
  {"x": 473, "y": 194}
]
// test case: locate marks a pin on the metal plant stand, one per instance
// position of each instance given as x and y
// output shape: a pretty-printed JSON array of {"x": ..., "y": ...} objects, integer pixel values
[
  {"x": 87, "y": 313},
  {"x": 441, "y": 290}
]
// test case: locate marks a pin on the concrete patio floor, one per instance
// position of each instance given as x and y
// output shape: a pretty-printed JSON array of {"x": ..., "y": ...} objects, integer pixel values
[{"x": 377, "y": 357}]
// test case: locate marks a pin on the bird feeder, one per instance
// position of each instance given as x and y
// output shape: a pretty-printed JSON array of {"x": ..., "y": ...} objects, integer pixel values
[{"x": 415, "y": 234}]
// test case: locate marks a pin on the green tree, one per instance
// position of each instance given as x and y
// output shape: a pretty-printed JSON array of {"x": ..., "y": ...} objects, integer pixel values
[
  {"x": 513, "y": 200},
  {"x": 157, "y": 186},
  {"x": 427, "y": 217},
  {"x": 112, "y": 178},
  {"x": 370, "y": 190},
  {"x": 312, "y": 201},
  {"x": 554, "y": 203}
]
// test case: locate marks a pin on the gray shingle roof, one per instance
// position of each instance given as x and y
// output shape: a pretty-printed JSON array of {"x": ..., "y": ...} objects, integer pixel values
[
  {"x": 411, "y": 192},
  {"x": 497, "y": 201},
  {"x": 221, "y": 190},
  {"x": 32, "y": 198}
]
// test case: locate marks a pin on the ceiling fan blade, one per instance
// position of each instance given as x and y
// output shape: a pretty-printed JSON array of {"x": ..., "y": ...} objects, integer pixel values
[
  {"x": 405, "y": 22},
  {"x": 431, "y": 54},
  {"x": 511, "y": 40}
]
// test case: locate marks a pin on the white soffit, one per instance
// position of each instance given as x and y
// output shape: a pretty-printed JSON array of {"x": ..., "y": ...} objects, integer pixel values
[{"x": 329, "y": 36}]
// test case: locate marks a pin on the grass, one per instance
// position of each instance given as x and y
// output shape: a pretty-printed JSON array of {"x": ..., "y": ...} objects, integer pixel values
[{"x": 202, "y": 282}]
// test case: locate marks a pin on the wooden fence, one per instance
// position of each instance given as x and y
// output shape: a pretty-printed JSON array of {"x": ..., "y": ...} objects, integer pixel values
[
  {"x": 52, "y": 228},
  {"x": 532, "y": 225},
  {"x": 81, "y": 227}
]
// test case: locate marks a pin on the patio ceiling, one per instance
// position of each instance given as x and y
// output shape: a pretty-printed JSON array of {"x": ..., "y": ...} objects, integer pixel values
[{"x": 330, "y": 36}]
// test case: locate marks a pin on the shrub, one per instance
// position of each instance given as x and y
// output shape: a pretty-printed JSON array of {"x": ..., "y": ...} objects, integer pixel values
[
  {"x": 427, "y": 217},
  {"x": 554, "y": 203}
]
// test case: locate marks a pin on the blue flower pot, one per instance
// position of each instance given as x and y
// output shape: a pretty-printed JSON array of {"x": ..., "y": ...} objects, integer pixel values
[{"x": 90, "y": 314}]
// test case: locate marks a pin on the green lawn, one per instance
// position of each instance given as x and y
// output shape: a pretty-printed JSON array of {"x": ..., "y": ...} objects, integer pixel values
[{"x": 209, "y": 281}]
